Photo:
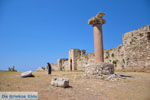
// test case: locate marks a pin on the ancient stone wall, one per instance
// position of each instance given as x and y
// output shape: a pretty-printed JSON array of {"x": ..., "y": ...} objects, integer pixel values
[
  {"x": 73, "y": 56},
  {"x": 62, "y": 63},
  {"x": 135, "y": 52},
  {"x": 84, "y": 60},
  {"x": 115, "y": 56},
  {"x": 137, "y": 47}
]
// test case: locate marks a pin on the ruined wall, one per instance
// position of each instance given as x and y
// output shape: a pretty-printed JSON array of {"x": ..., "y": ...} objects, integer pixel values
[
  {"x": 137, "y": 47},
  {"x": 74, "y": 54},
  {"x": 54, "y": 67},
  {"x": 61, "y": 63},
  {"x": 84, "y": 60},
  {"x": 135, "y": 52},
  {"x": 115, "y": 56}
]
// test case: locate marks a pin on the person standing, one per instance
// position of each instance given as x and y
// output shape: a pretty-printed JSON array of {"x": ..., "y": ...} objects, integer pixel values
[{"x": 49, "y": 68}]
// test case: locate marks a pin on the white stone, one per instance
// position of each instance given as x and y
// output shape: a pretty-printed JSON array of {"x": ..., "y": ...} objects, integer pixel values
[
  {"x": 26, "y": 74},
  {"x": 60, "y": 82}
]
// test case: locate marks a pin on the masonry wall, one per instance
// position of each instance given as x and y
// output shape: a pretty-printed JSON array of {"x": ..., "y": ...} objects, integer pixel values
[
  {"x": 133, "y": 53},
  {"x": 137, "y": 48},
  {"x": 115, "y": 56},
  {"x": 62, "y": 63}
]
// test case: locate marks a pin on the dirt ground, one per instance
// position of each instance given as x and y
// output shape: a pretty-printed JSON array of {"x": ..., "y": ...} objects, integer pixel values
[{"x": 136, "y": 87}]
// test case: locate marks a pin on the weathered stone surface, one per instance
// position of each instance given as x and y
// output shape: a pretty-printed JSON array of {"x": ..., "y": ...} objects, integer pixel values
[
  {"x": 97, "y": 23},
  {"x": 96, "y": 71},
  {"x": 137, "y": 47},
  {"x": 60, "y": 82}
]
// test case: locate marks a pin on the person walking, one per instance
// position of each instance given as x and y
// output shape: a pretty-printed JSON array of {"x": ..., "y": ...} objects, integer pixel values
[{"x": 49, "y": 68}]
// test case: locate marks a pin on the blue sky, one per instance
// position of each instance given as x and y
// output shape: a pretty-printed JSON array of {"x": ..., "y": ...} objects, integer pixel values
[{"x": 33, "y": 32}]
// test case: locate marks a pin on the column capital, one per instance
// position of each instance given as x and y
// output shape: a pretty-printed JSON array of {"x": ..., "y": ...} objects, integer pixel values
[{"x": 98, "y": 19}]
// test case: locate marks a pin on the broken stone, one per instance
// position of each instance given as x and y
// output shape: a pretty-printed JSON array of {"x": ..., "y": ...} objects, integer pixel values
[
  {"x": 26, "y": 74},
  {"x": 113, "y": 77},
  {"x": 99, "y": 70},
  {"x": 60, "y": 82}
]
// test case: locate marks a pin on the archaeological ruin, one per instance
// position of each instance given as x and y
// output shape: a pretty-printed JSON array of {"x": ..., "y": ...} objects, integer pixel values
[
  {"x": 97, "y": 23},
  {"x": 134, "y": 53}
]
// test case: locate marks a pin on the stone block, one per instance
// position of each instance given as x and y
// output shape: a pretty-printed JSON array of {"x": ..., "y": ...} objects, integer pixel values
[{"x": 60, "y": 82}]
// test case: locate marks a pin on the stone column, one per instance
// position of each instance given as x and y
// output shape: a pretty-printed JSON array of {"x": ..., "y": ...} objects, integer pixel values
[{"x": 97, "y": 23}]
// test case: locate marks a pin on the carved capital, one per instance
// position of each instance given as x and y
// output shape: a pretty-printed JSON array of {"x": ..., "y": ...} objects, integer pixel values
[{"x": 97, "y": 20}]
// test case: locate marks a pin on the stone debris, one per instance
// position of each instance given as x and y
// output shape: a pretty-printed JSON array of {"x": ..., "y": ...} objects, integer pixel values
[
  {"x": 26, "y": 74},
  {"x": 113, "y": 77},
  {"x": 104, "y": 71},
  {"x": 60, "y": 82},
  {"x": 98, "y": 70}
]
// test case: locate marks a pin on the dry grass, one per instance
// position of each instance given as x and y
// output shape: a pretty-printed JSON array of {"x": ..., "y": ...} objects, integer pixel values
[{"x": 135, "y": 88}]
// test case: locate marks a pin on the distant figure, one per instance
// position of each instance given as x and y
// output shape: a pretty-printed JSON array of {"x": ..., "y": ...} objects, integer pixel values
[{"x": 49, "y": 68}]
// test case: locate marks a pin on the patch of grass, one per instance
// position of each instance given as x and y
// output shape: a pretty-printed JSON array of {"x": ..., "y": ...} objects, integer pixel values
[
  {"x": 115, "y": 62},
  {"x": 112, "y": 55},
  {"x": 103, "y": 78}
]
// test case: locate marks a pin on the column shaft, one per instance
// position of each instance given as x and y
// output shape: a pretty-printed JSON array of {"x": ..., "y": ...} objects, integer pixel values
[{"x": 98, "y": 43}]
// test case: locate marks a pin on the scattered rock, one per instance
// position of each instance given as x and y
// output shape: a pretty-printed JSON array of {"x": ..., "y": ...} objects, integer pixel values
[
  {"x": 26, "y": 74},
  {"x": 60, "y": 82},
  {"x": 99, "y": 70},
  {"x": 104, "y": 71},
  {"x": 113, "y": 77}
]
